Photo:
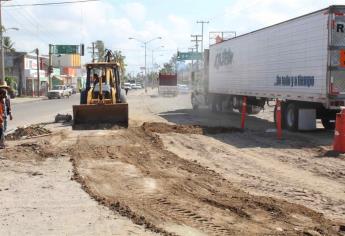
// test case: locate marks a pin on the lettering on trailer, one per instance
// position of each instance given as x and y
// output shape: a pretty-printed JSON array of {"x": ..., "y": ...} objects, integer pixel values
[
  {"x": 340, "y": 28},
  {"x": 295, "y": 81},
  {"x": 223, "y": 58}
]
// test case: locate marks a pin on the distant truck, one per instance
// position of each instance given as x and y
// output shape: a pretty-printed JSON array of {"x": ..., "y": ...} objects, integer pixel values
[
  {"x": 300, "y": 62},
  {"x": 59, "y": 91},
  {"x": 167, "y": 84}
]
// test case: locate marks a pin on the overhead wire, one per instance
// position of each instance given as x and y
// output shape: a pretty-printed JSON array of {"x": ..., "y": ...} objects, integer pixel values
[
  {"x": 23, "y": 24},
  {"x": 33, "y": 20},
  {"x": 24, "y": 28},
  {"x": 49, "y": 3}
]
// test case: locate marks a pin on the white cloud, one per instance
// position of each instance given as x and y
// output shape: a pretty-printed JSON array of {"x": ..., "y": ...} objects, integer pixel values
[
  {"x": 114, "y": 23},
  {"x": 244, "y": 16},
  {"x": 135, "y": 11}
]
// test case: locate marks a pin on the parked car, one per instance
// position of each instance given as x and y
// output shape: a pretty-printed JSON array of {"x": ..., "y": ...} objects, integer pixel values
[
  {"x": 69, "y": 88},
  {"x": 58, "y": 91},
  {"x": 138, "y": 86},
  {"x": 127, "y": 86},
  {"x": 183, "y": 88},
  {"x": 74, "y": 89}
]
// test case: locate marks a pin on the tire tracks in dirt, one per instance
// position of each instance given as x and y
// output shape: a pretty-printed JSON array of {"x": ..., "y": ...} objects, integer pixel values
[
  {"x": 131, "y": 172},
  {"x": 257, "y": 164}
]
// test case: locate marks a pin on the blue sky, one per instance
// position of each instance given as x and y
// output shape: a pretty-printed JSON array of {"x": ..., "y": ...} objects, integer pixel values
[{"x": 113, "y": 21}]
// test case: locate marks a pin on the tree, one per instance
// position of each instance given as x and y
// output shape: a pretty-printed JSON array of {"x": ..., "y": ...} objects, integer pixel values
[
  {"x": 120, "y": 59},
  {"x": 99, "y": 45},
  {"x": 8, "y": 45},
  {"x": 152, "y": 78},
  {"x": 170, "y": 67}
]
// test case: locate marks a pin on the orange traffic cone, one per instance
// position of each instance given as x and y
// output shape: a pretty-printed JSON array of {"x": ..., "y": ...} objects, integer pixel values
[
  {"x": 244, "y": 111},
  {"x": 339, "y": 133},
  {"x": 279, "y": 118}
]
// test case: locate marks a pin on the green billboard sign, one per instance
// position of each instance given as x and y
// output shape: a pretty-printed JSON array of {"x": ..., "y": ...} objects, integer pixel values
[
  {"x": 65, "y": 49},
  {"x": 185, "y": 56}
]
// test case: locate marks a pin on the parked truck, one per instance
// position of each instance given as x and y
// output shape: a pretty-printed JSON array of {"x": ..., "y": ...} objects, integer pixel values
[
  {"x": 167, "y": 84},
  {"x": 300, "y": 62}
]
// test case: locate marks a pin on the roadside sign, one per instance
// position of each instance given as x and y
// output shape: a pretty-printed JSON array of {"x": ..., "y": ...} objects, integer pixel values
[
  {"x": 65, "y": 49},
  {"x": 185, "y": 56}
]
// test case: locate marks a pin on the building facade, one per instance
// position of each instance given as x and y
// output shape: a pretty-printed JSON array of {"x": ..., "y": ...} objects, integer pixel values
[{"x": 22, "y": 67}]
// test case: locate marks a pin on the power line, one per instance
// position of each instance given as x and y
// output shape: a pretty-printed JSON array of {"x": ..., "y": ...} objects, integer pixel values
[
  {"x": 24, "y": 26},
  {"x": 50, "y": 3},
  {"x": 27, "y": 29}
]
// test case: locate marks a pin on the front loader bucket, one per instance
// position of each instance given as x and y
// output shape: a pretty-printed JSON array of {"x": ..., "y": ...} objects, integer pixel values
[{"x": 100, "y": 116}]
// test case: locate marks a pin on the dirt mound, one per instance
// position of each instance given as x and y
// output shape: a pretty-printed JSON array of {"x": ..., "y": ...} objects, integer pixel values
[
  {"x": 160, "y": 127},
  {"x": 140, "y": 179},
  {"x": 28, "y": 132},
  {"x": 39, "y": 150}
]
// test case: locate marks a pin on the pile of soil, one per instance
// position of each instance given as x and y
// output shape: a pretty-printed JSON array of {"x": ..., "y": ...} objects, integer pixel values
[
  {"x": 162, "y": 128},
  {"x": 28, "y": 132},
  {"x": 38, "y": 150}
]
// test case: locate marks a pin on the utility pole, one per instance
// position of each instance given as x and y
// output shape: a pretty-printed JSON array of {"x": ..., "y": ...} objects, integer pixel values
[
  {"x": 2, "y": 57},
  {"x": 202, "y": 33},
  {"x": 192, "y": 50},
  {"x": 38, "y": 72},
  {"x": 50, "y": 67},
  {"x": 196, "y": 40}
]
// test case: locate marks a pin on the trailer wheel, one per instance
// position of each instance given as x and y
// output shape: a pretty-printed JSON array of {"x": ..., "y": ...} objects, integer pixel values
[
  {"x": 328, "y": 123},
  {"x": 253, "y": 110},
  {"x": 291, "y": 117}
]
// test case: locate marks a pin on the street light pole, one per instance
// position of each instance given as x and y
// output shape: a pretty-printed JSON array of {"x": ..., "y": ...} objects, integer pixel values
[
  {"x": 153, "y": 56},
  {"x": 145, "y": 46}
]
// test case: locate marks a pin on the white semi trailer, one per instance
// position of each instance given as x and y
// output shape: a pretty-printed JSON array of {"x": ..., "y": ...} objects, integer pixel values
[{"x": 300, "y": 61}]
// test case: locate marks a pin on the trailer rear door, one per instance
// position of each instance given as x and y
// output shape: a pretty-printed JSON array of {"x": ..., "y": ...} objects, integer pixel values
[{"x": 337, "y": 50}]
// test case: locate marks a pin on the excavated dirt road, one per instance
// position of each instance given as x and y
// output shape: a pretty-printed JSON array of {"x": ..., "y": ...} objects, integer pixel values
[
  {"x": 199, "y": 176},
  {"x": 169, "y": 194}
]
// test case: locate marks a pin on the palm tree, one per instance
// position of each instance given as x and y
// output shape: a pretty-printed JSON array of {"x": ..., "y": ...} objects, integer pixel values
[
  {"x": 8, "y": 44},
  {"x": 99, "y": 45},
  {"x": 120, "y": 59}
]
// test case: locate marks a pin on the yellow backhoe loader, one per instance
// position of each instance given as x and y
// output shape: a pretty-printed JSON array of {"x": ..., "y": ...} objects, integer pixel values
[{"x": 102, "y": 104}]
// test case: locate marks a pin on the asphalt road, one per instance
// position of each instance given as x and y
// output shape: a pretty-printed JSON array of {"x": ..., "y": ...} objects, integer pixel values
[{"x": 40, "y": 111}]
